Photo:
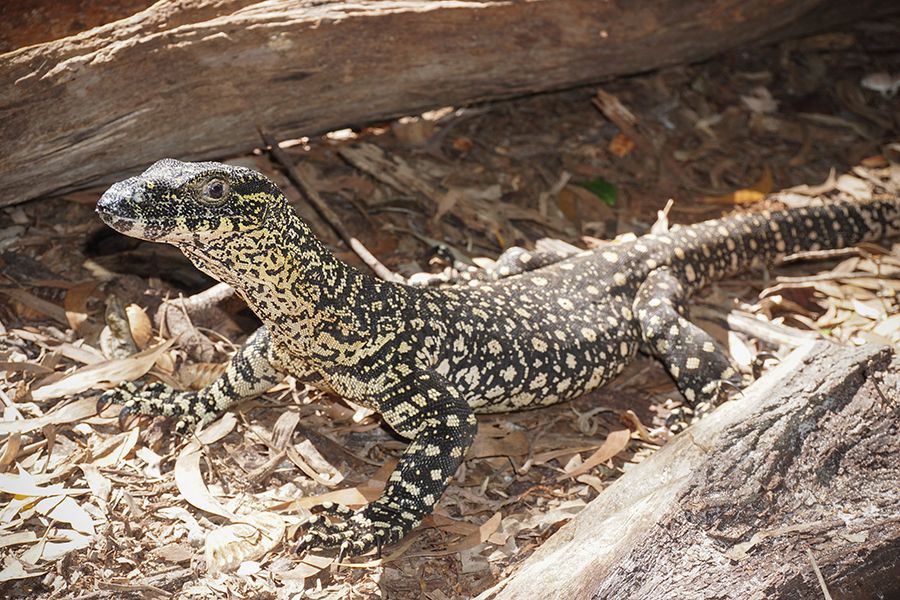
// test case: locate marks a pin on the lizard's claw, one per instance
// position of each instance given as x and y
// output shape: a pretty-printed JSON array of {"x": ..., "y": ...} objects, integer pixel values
[
  {"x": 353, "y": 534},
  {"x": 713, "y": 394}
]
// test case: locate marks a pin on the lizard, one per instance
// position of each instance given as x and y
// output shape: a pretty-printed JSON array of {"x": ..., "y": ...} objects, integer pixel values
[{"x": 428, "y": 359}]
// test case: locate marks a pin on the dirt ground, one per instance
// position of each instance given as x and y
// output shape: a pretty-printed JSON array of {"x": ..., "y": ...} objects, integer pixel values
[{"x": 88, "y": 510}]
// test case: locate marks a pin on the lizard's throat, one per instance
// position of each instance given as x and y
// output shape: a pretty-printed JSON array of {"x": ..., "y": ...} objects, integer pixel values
[{"x": 283, "y": 275}]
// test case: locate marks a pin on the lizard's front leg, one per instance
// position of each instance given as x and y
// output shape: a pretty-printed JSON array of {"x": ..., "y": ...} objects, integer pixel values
[
  {"x": 249, "y": 374},
  {"x": 428, "y": 409}
]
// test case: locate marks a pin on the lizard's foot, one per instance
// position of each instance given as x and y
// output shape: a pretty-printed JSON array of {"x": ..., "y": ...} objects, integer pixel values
[
  {"x": 155, "y": 399},
  {"x": 713, "y": 394},
  {"x": 353, "y": 533}
]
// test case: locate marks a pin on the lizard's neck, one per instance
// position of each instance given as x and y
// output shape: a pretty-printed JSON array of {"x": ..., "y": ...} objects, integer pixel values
[{"x": 296, "y": 286}]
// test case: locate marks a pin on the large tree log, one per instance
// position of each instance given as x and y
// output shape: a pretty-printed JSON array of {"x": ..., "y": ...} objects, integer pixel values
[
  {"x": 194, "y": 78},
  {"x": 803, "y": 468}
]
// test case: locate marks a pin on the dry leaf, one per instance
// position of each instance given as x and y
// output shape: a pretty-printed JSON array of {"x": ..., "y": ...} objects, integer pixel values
[
  {"x": 67, "y": 510},
  {"x": 871, "y": 310},
  {"x": 112, "y": 451},
  {"x": 14, "y": 569},
  {"x": 485, "y": 530},
  {"x": 100, "y": 486},
  {"x": 24, "y": 484},
  {"x": 760, "y": 101},
  {"x": 815, "y": 190},
  {"x": 21, "y": 537},
  {"x": 173, "y": 553},
  {"x": 110, "y": 371},
  {"x": 41, "y": 306},
  {"x": 310, "y": 565},
  {"x": 70, "y": 413},
  {"x": 352, "y": 497},
  {"x": 856, "y": 187},
  {"x": 192, "y": 487},
  {"x": 621, "y": 145},
  {"x": 76, "y": 303},
  {"x": 188, "y": 478},
  {"x": 615, "y": 442},
  {"x": 754, "y": 193},
  {"x": 497, "y": 439},
  {"x": 310, "y": 461},
  {"x": 140, "y": 325},
  {"x": 51, "y": 551}
]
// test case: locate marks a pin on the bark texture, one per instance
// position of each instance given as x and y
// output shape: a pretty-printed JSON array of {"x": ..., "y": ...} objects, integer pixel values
[
  {"x": 802, "y": 470},
  {"x": 193, "y": 79}
]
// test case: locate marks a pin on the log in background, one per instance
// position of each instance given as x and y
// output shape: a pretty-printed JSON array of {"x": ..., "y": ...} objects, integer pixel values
[{"x": 193, "y": 79}]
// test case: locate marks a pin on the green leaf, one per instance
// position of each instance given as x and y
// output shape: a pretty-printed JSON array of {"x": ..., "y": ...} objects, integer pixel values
[{"x": 603, "y": 189}]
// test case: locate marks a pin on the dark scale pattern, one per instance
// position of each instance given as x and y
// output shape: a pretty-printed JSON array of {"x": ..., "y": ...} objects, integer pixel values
[{"x": 428, "y": 359}]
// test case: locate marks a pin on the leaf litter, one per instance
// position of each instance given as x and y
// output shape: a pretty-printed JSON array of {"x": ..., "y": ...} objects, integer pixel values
[{"x": 89, "y": 510}]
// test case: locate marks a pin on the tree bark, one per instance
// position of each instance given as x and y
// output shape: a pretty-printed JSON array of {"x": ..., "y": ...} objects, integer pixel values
[
  {"x": 195, "y": 78},
  {"x": 804, "y": 467}
]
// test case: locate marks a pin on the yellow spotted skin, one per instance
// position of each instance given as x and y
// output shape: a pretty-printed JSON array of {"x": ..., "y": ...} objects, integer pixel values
[{"x": 428, "y": 359}]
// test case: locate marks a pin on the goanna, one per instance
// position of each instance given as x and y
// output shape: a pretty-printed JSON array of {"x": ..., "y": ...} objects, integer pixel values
[{"x": 428, "y": 359}]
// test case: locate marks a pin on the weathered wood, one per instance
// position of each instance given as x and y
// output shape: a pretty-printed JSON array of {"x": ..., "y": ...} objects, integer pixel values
[
  {"x": 195, "y": 78},
  {"x": 806, "y": 462}
]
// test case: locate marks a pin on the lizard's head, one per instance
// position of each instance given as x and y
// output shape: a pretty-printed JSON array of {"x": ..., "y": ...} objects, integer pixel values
[{"x": 180, "y": 202}]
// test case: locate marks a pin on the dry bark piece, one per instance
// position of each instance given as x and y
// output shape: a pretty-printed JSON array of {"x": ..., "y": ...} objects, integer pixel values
[{"x": 805, "y": 460}]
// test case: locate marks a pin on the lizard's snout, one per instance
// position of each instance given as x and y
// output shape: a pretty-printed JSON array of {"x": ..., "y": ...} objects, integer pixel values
[{"x": 116, "y": 206}]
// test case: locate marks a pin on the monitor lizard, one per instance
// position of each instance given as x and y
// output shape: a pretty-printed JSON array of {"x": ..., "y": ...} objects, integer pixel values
[{"x": 429, "y": 359}]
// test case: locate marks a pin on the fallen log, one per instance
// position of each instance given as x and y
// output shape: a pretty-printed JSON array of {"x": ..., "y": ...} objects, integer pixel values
[
  {"x": 795, "y": 481},
  {"x": 194, "y": 79}
]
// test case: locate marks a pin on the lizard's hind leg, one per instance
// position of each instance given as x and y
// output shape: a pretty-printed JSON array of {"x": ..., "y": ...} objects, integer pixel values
[
  {"x": 513, "y": 261},
  {"x": 698, "y": 364}
]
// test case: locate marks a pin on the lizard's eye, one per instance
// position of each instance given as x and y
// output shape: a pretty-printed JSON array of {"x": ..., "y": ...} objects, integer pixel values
[{"x": 215, "y": 191}]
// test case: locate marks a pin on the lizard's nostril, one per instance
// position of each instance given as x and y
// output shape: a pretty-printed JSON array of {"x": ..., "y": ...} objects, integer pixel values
[{"x": 119, "y": 201}]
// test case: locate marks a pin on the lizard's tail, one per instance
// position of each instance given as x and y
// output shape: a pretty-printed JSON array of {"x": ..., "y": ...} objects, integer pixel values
[{"x": 715, "y": 249}]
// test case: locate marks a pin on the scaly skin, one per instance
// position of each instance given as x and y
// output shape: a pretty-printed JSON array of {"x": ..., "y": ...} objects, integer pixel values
[{"x": 428, "y": 359}]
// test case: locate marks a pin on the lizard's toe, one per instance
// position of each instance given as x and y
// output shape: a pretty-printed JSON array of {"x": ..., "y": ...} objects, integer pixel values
[{"x": 354, "y": 534}]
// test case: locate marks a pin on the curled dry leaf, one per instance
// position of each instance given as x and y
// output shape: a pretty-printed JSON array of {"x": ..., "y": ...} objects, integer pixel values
[
  {"x": 10, "y": 450},
  {"x": 25, "y": 485},
  {"x": 70, "y": 413},
  {"x": 252, "y": 538},
  {"x": 67, "y": 510},
  {"x": 192, "y": 487},
  {"x": 51, "y": 551},
  {"x": 76, "y": 303},
  {"x": 308, "y": 458},
  {"x": 498, "y": 440},
  {"x": 187, "y": 468},
  {"x": 140, "y": 325},
  {"x": 110, "y": 371},
  {"x": 197, "y": 376},
  {"x": 101, "y": 487},
  {"x": 615, "y": 442},
  {"x": 112, "y": 451},
  {"x": 485, "y": 530},
  {"x": 634, "y": 424}
]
